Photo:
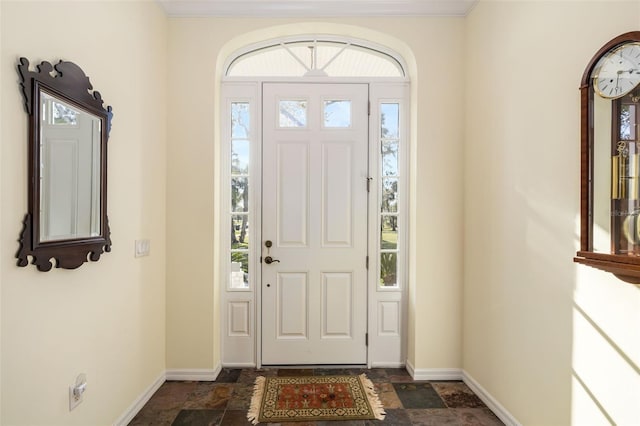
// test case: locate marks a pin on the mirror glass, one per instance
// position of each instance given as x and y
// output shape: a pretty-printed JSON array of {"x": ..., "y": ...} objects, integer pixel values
[{"x": 69, "y": 144}]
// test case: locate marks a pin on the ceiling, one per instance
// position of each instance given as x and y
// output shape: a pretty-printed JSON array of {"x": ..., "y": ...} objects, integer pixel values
[{"x": 323, "y": 8}]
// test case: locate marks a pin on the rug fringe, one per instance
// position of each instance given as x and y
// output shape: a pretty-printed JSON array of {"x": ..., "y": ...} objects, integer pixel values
[
  {"x": 372, "y": 396},
  {"x": 256, "y": 400}
]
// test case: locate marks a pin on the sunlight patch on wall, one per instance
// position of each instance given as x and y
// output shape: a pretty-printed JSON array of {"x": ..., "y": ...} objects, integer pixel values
[{"x": 606, "y": 351}]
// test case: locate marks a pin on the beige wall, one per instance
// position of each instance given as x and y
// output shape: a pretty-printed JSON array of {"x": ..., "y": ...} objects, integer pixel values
[
  {"x": 105, "y": 319},
  {"x": 434, "y": 50},
  {"x": 550, "y": 340}
]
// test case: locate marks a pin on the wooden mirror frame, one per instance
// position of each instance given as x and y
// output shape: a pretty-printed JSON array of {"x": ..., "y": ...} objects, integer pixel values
[
  {"x": 625, "y": 267},
  {"x": 69, "y": 83}
]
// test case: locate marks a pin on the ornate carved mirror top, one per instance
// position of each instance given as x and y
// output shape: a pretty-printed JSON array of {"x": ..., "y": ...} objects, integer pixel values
[{"x": 68, "y": 132}]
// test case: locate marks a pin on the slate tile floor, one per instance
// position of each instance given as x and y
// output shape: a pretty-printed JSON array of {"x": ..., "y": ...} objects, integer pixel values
[{"x": 226, "y": 401}]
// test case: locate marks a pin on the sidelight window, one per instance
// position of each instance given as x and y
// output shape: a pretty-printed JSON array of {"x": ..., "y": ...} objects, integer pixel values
[
  {"x": 389, "y": 194},
  {"x": 240, "y": 180}
]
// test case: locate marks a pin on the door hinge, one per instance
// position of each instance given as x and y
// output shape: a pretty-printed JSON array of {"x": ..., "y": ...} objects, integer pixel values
[
  {"x": 260, "y": 259},
  {"x": 366, "y": 339},
  {"x": 368, "y": 107},
  {"x": 366, "y": 262},
  {"x": 369, "y": 179}
]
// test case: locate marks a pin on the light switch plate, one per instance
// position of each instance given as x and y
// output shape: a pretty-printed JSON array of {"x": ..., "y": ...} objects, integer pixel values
[{"x": 143, "y": 247}]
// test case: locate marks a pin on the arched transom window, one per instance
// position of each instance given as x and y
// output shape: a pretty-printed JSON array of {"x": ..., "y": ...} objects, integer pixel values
[{"x": 315, "y": 57}]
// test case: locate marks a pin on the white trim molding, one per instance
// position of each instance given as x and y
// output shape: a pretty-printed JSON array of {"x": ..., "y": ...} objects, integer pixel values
[
  {"x": 324, "y": 8},
  {"x": 433, "y": 373},
  {"x": 507, "y": 418},
  {"x": 137, "y": 405},
  {"x": 200, "y": 375}
]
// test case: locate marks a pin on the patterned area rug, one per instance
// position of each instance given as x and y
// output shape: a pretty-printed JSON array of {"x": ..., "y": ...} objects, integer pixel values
[{"x": 311, "y": 398}]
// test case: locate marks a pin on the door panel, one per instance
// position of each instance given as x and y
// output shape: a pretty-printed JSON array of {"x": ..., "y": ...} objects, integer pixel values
[
  {"x": 337, "y": 290},
  {"x": 315, "y": 170},
  {"x": 336, "y": 196},
  {"x": 292, "y": 194},
  {"x": 292, "y": 306}
]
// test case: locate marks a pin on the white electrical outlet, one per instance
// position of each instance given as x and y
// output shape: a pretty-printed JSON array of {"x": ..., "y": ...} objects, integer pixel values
[
  {"x": 142, "y": 248},
  {"x": 76, "y": 391}
]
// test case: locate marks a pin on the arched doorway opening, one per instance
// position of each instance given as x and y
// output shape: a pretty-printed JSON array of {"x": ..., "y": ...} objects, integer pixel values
[{"x": 314, "y": 199}]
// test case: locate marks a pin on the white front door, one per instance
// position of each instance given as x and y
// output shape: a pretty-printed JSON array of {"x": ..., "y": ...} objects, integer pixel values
[{"x": 314, "y": 218}]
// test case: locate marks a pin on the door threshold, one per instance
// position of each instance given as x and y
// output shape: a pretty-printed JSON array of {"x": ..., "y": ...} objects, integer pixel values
[{"x": 313, "y": 366}]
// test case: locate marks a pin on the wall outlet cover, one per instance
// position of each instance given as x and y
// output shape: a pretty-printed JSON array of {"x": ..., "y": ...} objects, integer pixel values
[{"x": 73, "y": 400}]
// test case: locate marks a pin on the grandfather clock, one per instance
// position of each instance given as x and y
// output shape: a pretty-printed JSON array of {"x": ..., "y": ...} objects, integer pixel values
[{"x": 610, "y": 159}]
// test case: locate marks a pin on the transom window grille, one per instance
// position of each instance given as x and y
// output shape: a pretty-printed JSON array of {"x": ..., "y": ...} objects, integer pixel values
[{"x": 314, "y": 57}]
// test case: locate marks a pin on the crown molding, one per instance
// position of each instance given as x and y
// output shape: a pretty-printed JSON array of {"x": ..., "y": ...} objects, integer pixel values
[{"x": 320, "y": 8}]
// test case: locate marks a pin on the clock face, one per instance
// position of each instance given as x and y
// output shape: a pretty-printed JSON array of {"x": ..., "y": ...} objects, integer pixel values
[{"x": 618, "y": 72}]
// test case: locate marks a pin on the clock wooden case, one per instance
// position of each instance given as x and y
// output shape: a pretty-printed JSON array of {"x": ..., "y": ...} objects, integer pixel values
[{"x": 610, "y": 159}]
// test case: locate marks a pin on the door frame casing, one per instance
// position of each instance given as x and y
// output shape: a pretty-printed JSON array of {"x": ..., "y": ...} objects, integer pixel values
[{"x": 240, "y": 345}]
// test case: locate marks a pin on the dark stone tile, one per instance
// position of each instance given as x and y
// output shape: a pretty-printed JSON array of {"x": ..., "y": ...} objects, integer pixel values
[
  {"x": 377, "y": 374},
  {"x": 249, "y": 376},
  {"x": 433, "y": 417},
  {"x": 418, "y": 395},
  {"x": 240, "y": 397},
  {"x": 235, "y": 418},
  {"x": 228, "y": 375},
  {"x": 210, "y": 395},
  {"x": 294, "y": 372},
  {"x": 387, "y": 395},
  {"x": 398, "y": 375},
  {"x": 406, "y": 402},
  {"x": 171, "y": 395},
  {"x": 198, "y": 418},
  {"x": 149, "y": 417},
  {"x": 373, "y": 374},
  {"x": 476, "y": 417},
  {"x": 393, "y": 417},
  {"x": 331, "y": 372},
  {"x": 457, "y": 395}
]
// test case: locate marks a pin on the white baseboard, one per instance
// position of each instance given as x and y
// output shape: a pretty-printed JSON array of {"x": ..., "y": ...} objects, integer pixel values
[
  {"x": 434, "y": 373},
  {"x": 459, "y": 374},
  {"x": 137, "y": 405},
  {"x": 490, "y": 401},
  {"x": 200, "y": 375}
]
